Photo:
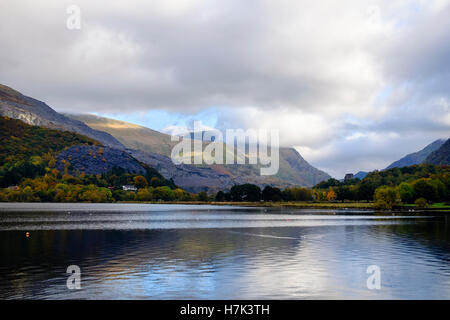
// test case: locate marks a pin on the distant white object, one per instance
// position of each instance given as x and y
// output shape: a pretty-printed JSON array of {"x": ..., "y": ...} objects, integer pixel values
[{"x": 129, "y": 187}]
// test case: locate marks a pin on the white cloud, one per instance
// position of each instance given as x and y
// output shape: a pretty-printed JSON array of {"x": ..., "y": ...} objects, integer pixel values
[{"x": 351, "y": 83}]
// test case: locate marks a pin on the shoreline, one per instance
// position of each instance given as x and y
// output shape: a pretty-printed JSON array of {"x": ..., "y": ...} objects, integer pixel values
[
  {"x": 300, "y": 205},
  {"x": 290, "y": 204}
]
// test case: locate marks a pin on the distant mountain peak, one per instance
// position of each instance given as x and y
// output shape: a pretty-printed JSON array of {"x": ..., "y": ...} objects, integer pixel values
[
  {"x": 417, "y": 157},
  {"x": 294, "y": 170}
]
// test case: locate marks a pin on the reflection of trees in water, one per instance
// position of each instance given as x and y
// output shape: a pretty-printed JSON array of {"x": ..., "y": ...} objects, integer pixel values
[
  {"x": 24, "y": 262},
  {"x": 27, "y": 264},
  {"x": 433, "y": 233}
]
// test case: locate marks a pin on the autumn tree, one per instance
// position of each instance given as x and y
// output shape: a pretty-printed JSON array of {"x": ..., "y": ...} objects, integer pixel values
[
  {"x": 163, "y": 193},
  {"x": 331, "y": 195},
  {"x": 386, "y": 197},
  {"x": 144, "y": 194},
  {"x": 140, "y": 182}
]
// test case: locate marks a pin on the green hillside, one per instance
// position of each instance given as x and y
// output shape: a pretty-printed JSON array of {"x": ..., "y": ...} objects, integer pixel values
[{"x": 20, "y": 141}]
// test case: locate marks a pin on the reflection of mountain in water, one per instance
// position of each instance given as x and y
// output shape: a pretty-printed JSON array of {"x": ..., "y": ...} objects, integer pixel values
[{"x": 327, "y": 261}]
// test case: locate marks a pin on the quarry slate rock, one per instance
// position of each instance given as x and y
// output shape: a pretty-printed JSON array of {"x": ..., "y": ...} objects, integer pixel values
[{"x": 96, "y": 160}]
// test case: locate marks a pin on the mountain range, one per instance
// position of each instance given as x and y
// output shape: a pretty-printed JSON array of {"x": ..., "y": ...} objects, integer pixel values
[
  {"x": 437, "y": 153},
  {"x": 417, "y": 157},
  {"x": 153, "y": 148},
  {"x": 294, "y": 170}
]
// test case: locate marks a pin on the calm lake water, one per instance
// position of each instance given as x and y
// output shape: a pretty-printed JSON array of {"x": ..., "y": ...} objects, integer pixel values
[{"x": 139, "y": 251}]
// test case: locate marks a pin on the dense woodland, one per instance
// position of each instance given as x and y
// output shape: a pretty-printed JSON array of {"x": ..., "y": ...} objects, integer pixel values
[{"x": 418, "y": 184}]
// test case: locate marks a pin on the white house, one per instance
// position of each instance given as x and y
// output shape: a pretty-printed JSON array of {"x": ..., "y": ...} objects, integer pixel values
[{"x": 129, "y": 187}]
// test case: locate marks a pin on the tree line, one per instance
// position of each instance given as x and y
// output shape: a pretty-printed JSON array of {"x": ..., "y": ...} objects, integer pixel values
[
  {"x": 54, "y": 186},
  {"x": 28, "y": 173},
  {"x": 419, "y": 184}
]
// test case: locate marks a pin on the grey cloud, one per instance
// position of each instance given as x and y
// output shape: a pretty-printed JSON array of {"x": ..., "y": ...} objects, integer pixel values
[
  {"x": 234, "y": 56},
  {"x": 305, "y": 67}
]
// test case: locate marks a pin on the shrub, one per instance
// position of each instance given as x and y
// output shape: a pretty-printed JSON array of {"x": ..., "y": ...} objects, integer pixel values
[
  {"x": 163, "y": 193},
  {"x": 421, "y": 203},
  {"x": 386, "y": 198},
  {"x": 144, "y": 195}
]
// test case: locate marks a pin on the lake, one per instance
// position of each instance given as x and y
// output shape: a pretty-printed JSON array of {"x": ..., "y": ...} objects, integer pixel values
[{"x": 152, "y": 251}]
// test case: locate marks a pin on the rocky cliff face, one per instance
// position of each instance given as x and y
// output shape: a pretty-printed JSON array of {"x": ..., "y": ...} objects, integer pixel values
[
  {"x": 96, "y": 160},
  {"x": 34, "y": 112},
  {"x": 293, "y": 171},
  {"x": 190, "y": 178}
]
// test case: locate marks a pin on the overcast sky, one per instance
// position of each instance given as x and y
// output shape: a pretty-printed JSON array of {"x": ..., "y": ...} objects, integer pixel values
[{"x": 352, "y": 84}]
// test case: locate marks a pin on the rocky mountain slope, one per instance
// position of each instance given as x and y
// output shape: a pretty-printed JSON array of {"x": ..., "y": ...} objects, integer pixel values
[
  {"x": 96, "y": 160},
  {"x": 131, "y": 135},
  {"x": 440, "y": 156},
  {"x": 27, "y": 151},
  {"x": 153, "y": 148},
  {"x": 190, "y": 178},
  {"x": 294, "y": 170},
  {"x": 417, "y": 157},
  {"x": 15, "y": 105}
]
